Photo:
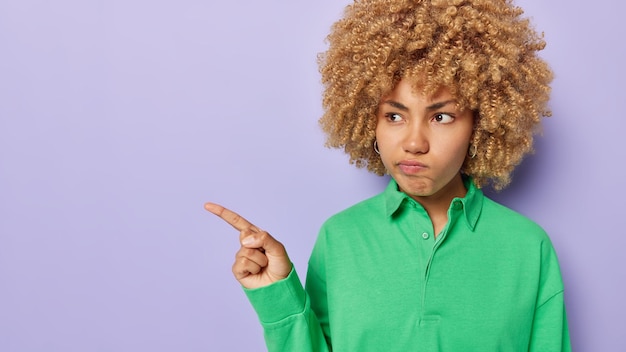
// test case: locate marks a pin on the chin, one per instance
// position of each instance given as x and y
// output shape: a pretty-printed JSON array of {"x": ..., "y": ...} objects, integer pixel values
[
  {"x": 420, "y": 190},
  {"x": 420, "y": 194}
]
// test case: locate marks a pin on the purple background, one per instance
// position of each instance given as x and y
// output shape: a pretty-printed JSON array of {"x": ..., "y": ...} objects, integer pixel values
[{"x": 119, "y": 119}]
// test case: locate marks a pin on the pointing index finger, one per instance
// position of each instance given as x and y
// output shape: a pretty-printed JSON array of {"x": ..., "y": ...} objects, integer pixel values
[{"x": 235, "y": 220}]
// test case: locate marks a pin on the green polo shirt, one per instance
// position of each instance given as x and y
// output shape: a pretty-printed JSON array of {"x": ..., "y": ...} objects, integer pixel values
[{"x": 378, "y": 280}]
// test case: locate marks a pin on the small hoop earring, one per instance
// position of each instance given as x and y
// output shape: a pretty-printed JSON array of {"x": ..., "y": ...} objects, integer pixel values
[
  {"x": 376, "y": 147},
  {"x": 472, "y": 151}
]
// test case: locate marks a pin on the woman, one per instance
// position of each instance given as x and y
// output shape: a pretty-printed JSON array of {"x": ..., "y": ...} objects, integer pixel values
[{"x": 444, "y": 96}]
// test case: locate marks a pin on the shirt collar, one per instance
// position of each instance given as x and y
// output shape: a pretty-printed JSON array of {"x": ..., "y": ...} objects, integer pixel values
[{"x": 472, "y": 202}]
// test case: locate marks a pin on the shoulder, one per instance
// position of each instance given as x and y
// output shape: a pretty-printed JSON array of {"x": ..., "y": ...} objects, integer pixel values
[
  {"x": 362, "y": 212},
  {"x": 515, "y": 238},
  {"x": 502, "y": 219}
]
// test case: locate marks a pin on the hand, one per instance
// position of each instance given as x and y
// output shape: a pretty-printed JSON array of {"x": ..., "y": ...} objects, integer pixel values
[{"x": 261, "y": 260}]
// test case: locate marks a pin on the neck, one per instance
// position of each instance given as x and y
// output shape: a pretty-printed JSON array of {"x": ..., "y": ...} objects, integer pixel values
[{"x": 437, "y": 205}]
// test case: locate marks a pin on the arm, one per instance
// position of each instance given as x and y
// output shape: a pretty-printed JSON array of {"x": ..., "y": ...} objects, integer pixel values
[
  {"x": 289, "y": 323},
  {"x": 550, "y": 331},
  {"x": 264, "y": 270}
]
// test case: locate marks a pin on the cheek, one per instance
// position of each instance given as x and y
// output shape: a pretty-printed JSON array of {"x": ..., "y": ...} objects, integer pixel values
[
  {"x": 377, "y": 130},
  {"x": 384, "y": 144},
  {"x": 461, "y": 149},
  {"x": 386, "y": 134},
  {"x": 453, "y": 148},
  {"x": 381, "y": 138}
]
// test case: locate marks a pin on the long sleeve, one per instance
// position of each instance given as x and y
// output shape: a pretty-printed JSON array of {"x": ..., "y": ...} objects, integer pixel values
[
  {"x": 550, "y": 332},
  {"x": 284, "y": 310},
  {"x": 377, "y": 281}
]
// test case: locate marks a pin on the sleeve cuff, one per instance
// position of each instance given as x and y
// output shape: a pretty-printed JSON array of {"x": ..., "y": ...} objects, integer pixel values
[{"x": 278, "y": 300}]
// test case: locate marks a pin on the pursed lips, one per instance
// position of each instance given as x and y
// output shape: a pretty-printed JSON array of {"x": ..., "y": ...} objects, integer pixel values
[{"x": 411, "y": 166}]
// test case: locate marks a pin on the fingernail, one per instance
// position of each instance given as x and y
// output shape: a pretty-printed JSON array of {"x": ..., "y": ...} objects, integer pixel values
[{"x": 247, "y": 241}]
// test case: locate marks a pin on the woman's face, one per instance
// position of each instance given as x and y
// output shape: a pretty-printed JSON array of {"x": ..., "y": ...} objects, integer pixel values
[{"x": 423, "y": 141}]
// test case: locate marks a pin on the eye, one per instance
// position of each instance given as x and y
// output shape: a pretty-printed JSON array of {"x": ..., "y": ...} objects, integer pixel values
[
  {"x": 443, "y": 118},
  {"x": 393, "y": 117}
]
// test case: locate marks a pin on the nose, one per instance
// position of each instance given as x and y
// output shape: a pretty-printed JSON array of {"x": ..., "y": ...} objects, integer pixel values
[{"x": 416, "y": 139}]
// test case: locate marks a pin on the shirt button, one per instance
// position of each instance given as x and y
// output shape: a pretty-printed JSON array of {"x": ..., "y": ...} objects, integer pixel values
[{"x": 425, "y": 235}]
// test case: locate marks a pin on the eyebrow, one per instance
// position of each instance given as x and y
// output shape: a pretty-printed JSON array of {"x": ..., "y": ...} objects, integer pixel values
[
  {"x": 439, "y": 105},
  {"x": 397, "y": 105},
  {"x": 435, "y": 106}
]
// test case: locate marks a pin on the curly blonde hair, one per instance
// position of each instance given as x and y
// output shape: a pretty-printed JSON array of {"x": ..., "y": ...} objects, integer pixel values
[{"x": 483, "y": 51}]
